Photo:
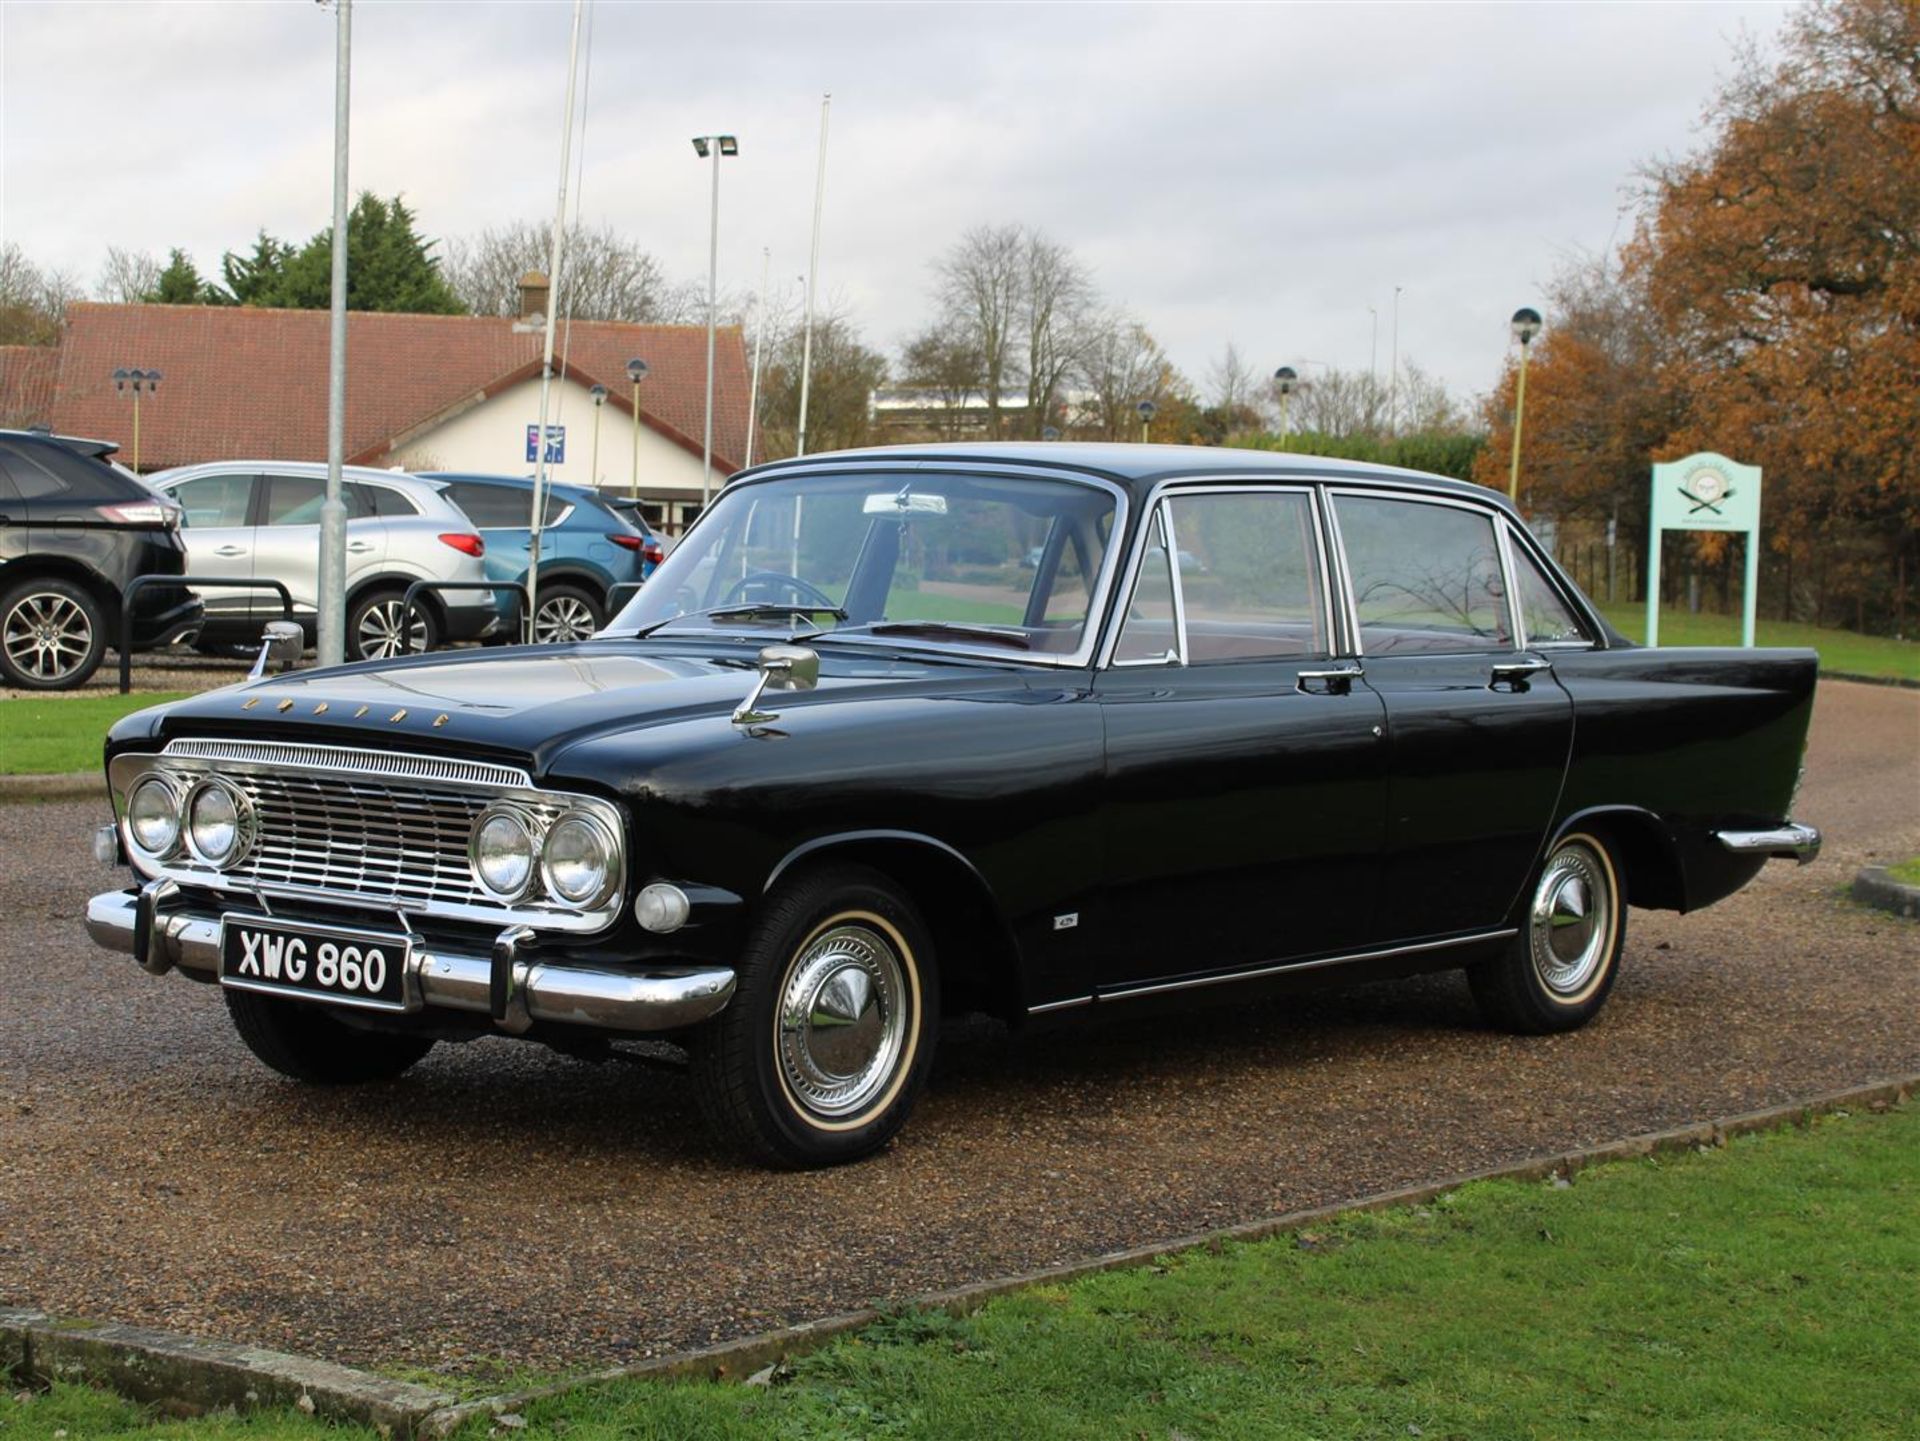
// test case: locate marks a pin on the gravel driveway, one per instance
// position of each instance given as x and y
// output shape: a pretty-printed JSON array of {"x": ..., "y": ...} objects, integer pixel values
[{"x": 506, "y": 1205}]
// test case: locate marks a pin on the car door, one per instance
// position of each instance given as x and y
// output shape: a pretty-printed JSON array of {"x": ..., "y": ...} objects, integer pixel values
[
  {"x": 370, "y": 506},
  {"x": 287, "y": 546},
  {"x": 216, "y": 522},
  {"x": 1245, "y": 776},
  {"x": 1478, "y": 730}
]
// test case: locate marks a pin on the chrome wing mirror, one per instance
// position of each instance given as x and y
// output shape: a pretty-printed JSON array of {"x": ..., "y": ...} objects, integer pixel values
[
  {"x": 282, "y": 640},
  {"x": 782, "y": 667}
]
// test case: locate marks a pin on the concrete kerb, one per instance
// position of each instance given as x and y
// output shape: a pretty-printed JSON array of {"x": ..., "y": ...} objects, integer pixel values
[
  {"x": 157, "y": 1366},
  {"x": 74, "y": 785},
  {"x": 1875, "y": 886}
]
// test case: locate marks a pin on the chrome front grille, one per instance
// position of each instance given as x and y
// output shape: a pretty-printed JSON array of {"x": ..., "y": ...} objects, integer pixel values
[{"x": 365, "y": 829}]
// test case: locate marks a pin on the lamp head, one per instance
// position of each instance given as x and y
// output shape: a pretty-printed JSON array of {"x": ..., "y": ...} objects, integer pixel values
[
  {"x": 598, "y": 395},
  {"x": 1285, "y": 378},
  {"x": 120, "y": 378},
  {"x": 1146, "y": 409},
  {"x": 1526, "y": 324},
  {"x": 636, "y": 370}
]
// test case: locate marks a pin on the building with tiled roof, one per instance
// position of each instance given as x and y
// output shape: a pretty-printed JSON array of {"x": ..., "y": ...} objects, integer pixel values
[{"x": 424, "y": 392}]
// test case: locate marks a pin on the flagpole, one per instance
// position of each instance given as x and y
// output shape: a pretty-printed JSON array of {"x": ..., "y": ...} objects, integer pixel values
[{"x": 813, "y": 279}]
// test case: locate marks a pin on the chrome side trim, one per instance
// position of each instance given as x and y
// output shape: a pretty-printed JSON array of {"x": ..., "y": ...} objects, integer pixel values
[
  {"x": 353, "y": 761},
  {"x": 1788, "y": 842},
  {"x": 1065, "y": 1005},
  {"x": 655, "y": 999},
  {"x": 1127, "y": 993}
]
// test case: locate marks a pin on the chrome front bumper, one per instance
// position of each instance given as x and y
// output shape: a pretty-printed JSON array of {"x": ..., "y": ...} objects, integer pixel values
[
  {"x": 1791, "y": 841},
  {"x": 515, "y": 989}
]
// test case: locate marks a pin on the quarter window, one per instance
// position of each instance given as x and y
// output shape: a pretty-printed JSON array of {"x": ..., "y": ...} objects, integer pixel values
[
  {"x": 1549, "y": 620},
  {"x": 1426, "y": 577},
  {"x": 1249, "y": 576},
  {"x": 1148, "y": 632}
]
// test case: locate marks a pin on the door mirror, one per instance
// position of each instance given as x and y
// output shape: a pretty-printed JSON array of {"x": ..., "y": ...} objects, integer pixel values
[
  {"x": 282, "y": 641},
  {"x": 782, "y": 667}
]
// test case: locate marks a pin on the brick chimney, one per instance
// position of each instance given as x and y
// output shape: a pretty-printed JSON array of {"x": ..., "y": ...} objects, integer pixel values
[{"x": 534, "y": 291}]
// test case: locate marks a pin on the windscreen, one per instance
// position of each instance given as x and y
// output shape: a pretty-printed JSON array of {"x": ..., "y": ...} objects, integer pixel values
[{"x": 962, "y": 560}]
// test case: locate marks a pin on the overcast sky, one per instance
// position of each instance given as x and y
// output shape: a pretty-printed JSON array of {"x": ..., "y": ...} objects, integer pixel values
[{"x": 1255, "y": 173}]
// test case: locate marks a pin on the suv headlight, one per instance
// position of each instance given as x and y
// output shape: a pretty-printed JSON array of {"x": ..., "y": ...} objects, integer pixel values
[
  {"x": 153, "y": 816},
  {"x": 502, "y": 852},
  {"x": 220, "y": 824},
  {"x": 579, "y": 860}
]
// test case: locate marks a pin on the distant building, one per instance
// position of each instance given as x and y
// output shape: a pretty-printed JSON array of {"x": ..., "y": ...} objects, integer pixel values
[
  {"x": 901, "y": 413},
  {"x": 424, "y": 392}
]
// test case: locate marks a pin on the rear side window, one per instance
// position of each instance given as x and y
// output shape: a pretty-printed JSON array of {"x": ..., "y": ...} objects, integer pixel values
[
  {"x": 496, "y": 506},
  {"x": 1549, "y": 621},
  {"x": 295, "y": 499},
  {"x": 210, "y": 501},
  {"x": 28, "y": 480},
  {"x": 46, "y": 470},
  {"x": 1426, "y": 577},
  {"x": 366, "y": 501}
]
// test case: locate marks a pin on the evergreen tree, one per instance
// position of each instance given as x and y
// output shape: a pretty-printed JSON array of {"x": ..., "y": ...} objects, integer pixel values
[
  {"x": 180, "y": 283},
  {"x": 249, "y": 278},
  {"x": 388, "y": 267}
]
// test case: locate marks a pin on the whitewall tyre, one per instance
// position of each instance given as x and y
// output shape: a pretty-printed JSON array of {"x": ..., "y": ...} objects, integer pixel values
[{"x": 1558, "y": 972}]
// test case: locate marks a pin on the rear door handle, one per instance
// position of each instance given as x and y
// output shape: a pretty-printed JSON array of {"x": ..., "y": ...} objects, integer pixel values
[
  {"x": 231, "y": 550},
  {"x": 1337, "y": 680},
  {"x": 1514, "y": 674}
]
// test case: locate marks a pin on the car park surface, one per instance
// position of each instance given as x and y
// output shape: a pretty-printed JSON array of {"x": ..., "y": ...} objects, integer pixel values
[{"x": 509, "y": 1206}]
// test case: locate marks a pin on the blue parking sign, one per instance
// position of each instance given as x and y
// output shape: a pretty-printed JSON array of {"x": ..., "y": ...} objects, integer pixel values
[{"x": 556, "y": 444}]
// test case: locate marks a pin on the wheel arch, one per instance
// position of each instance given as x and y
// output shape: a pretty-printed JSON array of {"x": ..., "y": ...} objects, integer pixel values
[
  {"x": 398, "y": 581},
  {"x": 45, "y": 565},
  {"x": 979, "y": 957},
  {"x": 1655, "y": 877}
]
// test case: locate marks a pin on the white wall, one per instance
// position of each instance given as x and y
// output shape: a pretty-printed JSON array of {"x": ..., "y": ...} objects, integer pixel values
[{"x": 492, "y": 438}]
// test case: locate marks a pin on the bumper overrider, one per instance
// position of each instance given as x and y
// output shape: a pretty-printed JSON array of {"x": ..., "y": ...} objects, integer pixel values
[
  {"x": 160, "y": 930},
  {"x": 1791, "y": 841}
]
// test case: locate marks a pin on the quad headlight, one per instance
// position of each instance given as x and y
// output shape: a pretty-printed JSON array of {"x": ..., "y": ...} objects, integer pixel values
[
  {"x": 503, "y": 852},
  {"x": 579, "y": 860},
  {"x": 220, "y": 823},
  {"x": 153, "y": 816}
]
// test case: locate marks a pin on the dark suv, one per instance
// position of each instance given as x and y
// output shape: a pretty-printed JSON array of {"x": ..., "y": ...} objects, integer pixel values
[{"x": 74, "y": 529}]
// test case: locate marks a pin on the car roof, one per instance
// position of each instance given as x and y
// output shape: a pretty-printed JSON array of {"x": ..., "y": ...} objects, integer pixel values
[
  {"x": 1140, "y": 467},
  {"x": 79, "y": 444},
  {"x": 513, "y": 482},
  {"x": 400, "y": 478}
]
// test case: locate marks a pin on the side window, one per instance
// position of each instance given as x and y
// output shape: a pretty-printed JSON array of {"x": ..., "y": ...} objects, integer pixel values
[
  {"x": 295, "y": 499},
  {"x": 1548, "y": 619},
  {"x": 1426, "y": 577},
  {"x": 210, "y": 501},
  {"x": 1148, "y": 632},
  {"x": 1249, "y": 576},
  {"x": 492, "y": 506},
  {"x": 32, "y": 479},
  {"x": 384, "y": 501}
]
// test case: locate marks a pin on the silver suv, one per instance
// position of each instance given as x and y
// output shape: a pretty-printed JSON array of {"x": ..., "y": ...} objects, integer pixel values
[{"x": 260, "y": 519}]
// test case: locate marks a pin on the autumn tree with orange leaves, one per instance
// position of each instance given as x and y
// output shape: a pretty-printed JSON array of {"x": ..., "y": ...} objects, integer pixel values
[{"x": 1768, "y": 307}]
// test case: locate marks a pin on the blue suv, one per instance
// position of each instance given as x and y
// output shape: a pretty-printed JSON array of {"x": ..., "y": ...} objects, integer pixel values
[{"x": 586, "y": 547}]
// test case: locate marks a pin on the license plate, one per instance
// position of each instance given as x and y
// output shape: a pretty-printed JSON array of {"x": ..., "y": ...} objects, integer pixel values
[{"x": 345, "y": 965}]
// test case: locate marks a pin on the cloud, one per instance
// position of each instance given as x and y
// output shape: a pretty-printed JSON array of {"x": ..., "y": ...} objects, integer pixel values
[{"x": 1244, "y": 172}]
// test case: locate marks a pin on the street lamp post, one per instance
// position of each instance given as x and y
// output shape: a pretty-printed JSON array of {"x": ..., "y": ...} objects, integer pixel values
[
  {"x": 598, "y": 395},
  {"x": 1284, "y": 380},
  {"x": 636, "y": 372},
  {"x": 1146, "y": 410},
  {"x": 1526, "y": 325},
  {"x": 712, "y": 146},
  {"x": 135, "y": 381},
  {"x": 1393, "y": 369}
]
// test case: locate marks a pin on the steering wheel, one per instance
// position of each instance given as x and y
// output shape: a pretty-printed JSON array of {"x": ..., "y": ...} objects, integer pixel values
[{"x": 805, "y": 592}]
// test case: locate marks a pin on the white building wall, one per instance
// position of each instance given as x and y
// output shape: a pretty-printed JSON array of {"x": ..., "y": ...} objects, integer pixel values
[{"x": 492, "y": 438}]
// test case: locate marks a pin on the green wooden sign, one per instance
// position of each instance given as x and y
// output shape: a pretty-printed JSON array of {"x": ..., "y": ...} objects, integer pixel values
[{"x": 1705, "y": 492}]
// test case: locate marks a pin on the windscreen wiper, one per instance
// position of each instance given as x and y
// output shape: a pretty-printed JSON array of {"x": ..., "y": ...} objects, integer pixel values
[
  {"x": 760, "y": 610},
  {"x": 939, "y": 628}
]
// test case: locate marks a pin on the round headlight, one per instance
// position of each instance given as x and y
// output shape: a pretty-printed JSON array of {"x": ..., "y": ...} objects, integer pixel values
[
  {"x": 153, "y": 816},
  {"x": 578, "y": 860},
  {"x": 219, "y": 822},
  {"x": 502, "y": 853}
]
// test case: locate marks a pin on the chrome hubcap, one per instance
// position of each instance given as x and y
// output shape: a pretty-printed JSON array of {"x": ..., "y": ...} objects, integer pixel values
[
  {"x": 563, "y": 619},
  {"x": 842, "y": 1020},
  {"x": 47, "y": 636},
  {"x": 380, "y": 631},
  {"x": 1571, "y": 923}
]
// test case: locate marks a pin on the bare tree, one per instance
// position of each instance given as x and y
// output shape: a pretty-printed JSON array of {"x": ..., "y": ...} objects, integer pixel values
[
  {"x": 1233, "y": 385},
  {"x": 1056, "y": 295},
  {"x": 846, "y": 372},
  {"x": 1426, "y": 407},
  {"x": 607, "y": 277},
  {"x": 33, "y": 302},
  {"x": 947, "y": 364},
  {"x": 1121, "y": 365},
  {"x": 1341, "y": 404},
  {"x": 128, "y": 277},
  {"x": 981, "y": 290}
]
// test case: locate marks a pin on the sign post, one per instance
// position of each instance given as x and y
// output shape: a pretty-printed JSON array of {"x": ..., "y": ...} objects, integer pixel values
[{"x": 1705, "y": 492}]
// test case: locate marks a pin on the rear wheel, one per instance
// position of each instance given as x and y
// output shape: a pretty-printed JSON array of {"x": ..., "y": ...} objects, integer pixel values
[
  {"x": 567, "y": 613},
  {"x": 52, "y": 635},
  {"x": 827, "y": 1043},
  {"x": 301, "y": 1040},
  {"x": 373, "y": 627},
  {"x": 1558, "y": 972}
]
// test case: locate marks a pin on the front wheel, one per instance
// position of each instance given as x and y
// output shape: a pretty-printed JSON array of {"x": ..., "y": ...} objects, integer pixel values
[
  {"x": 827, "y": 1043},
  {"x": 300, "y": 1040},
  {"x": 1557, "y": 973}
]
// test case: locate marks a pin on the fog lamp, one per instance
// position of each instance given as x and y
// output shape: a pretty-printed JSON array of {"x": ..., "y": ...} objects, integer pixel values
[{"x": 661, "y": 908}]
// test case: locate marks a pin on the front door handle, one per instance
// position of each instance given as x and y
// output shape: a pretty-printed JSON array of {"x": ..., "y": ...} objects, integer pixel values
[
  {"x": 1337, "y": 680},
  {"x": 1515, "y": 674},
  {"x": 231, "y": 550},
  {"x": 360, "y": 547}
]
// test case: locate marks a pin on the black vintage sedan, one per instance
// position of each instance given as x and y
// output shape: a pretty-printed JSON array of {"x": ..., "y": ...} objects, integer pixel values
[{"x": 1044, "y": 731}]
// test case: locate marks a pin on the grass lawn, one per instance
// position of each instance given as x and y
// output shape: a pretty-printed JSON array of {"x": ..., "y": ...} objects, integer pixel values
[
  {"x": 1840, "y": 650},
  {"x": 1764, "y": 1290},
  {"x": 1907, "y": 872},
  {"x": 62, "y": 733}
]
